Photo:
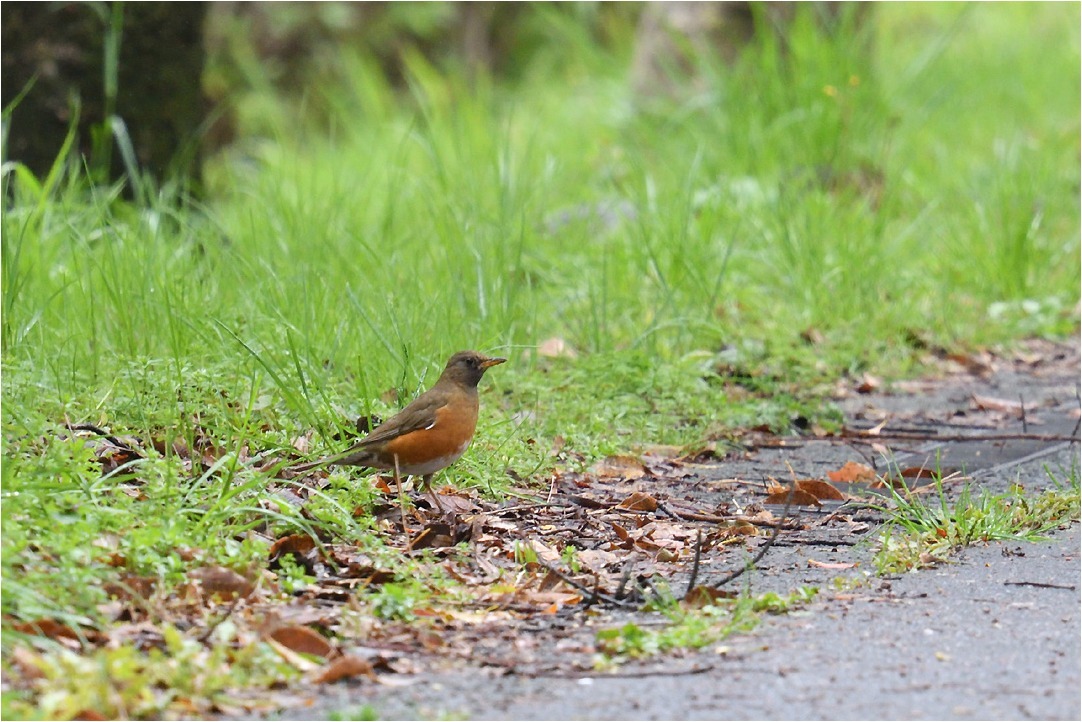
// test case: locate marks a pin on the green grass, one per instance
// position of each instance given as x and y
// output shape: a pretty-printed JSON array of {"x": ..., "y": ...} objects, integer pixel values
[
  {"x": 693, "y": 628},
  {"x": 923, "y": 532},
  {"x": 929, "y": 191},
  {"x": 179, "y": 676}
]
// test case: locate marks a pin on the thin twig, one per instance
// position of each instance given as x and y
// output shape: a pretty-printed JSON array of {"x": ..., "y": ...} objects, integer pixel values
[
  {"x": 619, "y": 674},
  {"x": 1042, "y": 585},
  {"x": 769, "y": 542},
  {"x": 592, "y": 593},
  {"x": 695, "y": 562},
  {"x": 863, "y": 436},
  {"x": 104, "y": 434},
  {"x": 623, "y": 582}
]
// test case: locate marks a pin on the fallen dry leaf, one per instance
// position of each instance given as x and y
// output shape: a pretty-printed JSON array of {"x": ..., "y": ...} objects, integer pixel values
[
  {"x": 299, "y": 544},
  {"x": 224, "y": 583},
  {"x": 704, "y": 596},
  {"x": 344, "y": 667},
  {"x": 638, "y": 501},
  {"x": 989, "y": 403},
  {"x": 131, "y": 586},
  {"x": 795, "y": 498},
  {"x": 868, "y": 384},
  {"x": 820, "y": 489},
  {"x": 28, "y": 662},
  {"x": 597, "y": 559},
  {"x": 734, "y": 528},
  {"x": 299, "y": 662},
  {"x": 815, "y": 488},
  {"x": 436, "y": 535},
  {"x": 830, "y": 565},
  {"x": 853, "y": 472},
  {"x": 50, "y": 628},
  {"x": 619, "y": 467},
  {"x": 303, "y": 640},
  {"x": 456, "y": 503}
]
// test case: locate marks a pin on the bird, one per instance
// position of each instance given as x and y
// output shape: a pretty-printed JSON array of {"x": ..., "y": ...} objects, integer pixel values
[{"x": 431, "y": 433}]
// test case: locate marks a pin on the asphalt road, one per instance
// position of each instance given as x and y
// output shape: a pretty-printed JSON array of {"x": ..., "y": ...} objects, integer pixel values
[{"x": 993, "y": 634}]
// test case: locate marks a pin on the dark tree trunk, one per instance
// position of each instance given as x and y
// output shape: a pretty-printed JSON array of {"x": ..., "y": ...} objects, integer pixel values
[{"x": 62, "y": 48}]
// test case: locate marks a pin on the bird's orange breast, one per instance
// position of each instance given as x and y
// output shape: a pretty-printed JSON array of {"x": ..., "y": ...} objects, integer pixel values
[{"x": 426, "y": 451}]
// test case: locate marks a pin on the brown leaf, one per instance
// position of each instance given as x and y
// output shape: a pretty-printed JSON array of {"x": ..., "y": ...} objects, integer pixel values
[
  {"x": 638, "y": 501},
  {"x": 221, "y": 582},
  {"x": 543, "y": 551},
  {"x": 436, "y": 535},
  {"x": 298, "y": 661},
  {"x": 302, "y": 444},
  {"x": 736, "y": 527},
  {"x": 619, "y": 467},
  {"x": 704, "y": 596},
  {"x": 795, "y": 498},
  {"x": 550, "y": 581},
  {"x": 868, "y": 384},
  {"x": 456, "y": 503},
  {"x": 853, "y": 472},
  {"x": 989, "y": 403},
  {"x": 597, "y": 559},
  {"x": 819, "y": 489},
  {"x": 298, "y": 544},
  {"x": 979, "y": 364},
  {"x": 830, "y": 565},
  {"x": 665, "y": 451},
  {"x": 342, "y": 668},
  {"x": 49, "y": 628},
  {"x": 131, "y": 586},
  {"x": 28, "y": 662},
  {"x": 551, "y": 601},
  {"x": 303, "y": 640},
  {"x": 923, "y": 472}
]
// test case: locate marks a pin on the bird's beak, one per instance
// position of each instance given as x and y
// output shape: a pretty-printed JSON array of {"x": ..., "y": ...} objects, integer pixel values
[{"x": 490, "y": 362}]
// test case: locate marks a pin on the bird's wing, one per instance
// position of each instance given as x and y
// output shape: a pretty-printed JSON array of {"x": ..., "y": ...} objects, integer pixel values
[{"x": 420, "y": 414}]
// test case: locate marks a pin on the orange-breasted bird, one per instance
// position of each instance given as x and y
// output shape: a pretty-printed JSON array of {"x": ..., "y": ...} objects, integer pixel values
[{"x": 431, "y": 433}]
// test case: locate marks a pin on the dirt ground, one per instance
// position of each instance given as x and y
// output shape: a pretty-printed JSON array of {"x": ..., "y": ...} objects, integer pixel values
[{"x": 993, "y": 633}]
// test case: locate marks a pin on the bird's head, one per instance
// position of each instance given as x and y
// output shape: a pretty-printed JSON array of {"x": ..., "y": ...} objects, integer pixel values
[{"x": 467, "y": 367}]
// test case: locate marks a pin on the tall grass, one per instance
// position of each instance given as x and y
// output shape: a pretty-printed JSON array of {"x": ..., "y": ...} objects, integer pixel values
[{"x": 929, "y": 185}]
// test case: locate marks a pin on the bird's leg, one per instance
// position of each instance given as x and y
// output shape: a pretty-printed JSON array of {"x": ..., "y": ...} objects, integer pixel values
[
  {"x": 401, "y": 500},
  {"x": 426, "y": 482}
]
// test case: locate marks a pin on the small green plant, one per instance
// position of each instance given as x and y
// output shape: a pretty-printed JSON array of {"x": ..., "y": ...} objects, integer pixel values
[
  {"x": 180, "y": 676},
  {"x": 570, "y": 558},
  {"x": 848, "y": 584},
  {"x": 693, "y": 628},
  {"x": 525, "y": 554},
  {"x": 365, "y": 713},
  {"x": 397, "y": 601},
  {"x": 291, "y": 575},
  {"x": 775, "y": 603},
  {"x": 920, "y": 533}
]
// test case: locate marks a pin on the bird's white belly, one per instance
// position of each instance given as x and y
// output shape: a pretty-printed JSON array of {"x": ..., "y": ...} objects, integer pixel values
[{"x": 431, "y": 467}]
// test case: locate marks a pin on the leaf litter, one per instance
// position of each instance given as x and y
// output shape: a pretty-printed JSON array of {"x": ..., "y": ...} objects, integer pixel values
[{"x": 524, "y": 586}]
